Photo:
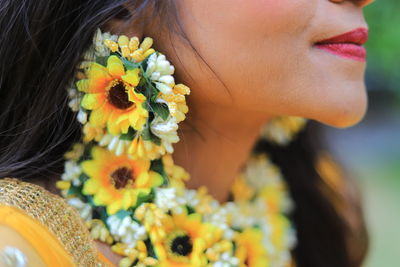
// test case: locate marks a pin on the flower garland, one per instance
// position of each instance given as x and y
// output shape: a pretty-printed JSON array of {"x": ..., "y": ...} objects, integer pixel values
[{"x": 124, "y": 183}]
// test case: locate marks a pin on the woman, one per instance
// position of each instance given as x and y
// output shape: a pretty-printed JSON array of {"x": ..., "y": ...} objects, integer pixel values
[{"x": 245, "y": 63}]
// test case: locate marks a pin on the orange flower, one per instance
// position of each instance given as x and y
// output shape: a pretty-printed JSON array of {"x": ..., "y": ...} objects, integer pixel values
[
  {"x": 117, "y": 181},
  {"x": 110, "y": 95}
]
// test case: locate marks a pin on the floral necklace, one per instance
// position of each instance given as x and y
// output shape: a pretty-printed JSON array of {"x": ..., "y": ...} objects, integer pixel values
[{"x": 123, "y": 181}]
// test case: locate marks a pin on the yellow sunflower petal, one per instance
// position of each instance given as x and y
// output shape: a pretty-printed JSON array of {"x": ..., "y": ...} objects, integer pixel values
[
  {"x": 156, "y": 179},
  {"x": 90, "y": 167},
  {"x": 100, "y": 154},
  {"x": 99, "y": 78},
  {"x": 125, "y": 126},
  {"x": 92, "y": 101},
  {"x": 114, "y": 207},
  {"x": 129, "y": 199},
  {"x": 132, "y": 77},
  {"x": 137, "y": 98},
  {"x": 102, "y": 197},
  {"x": 143, "y": 180},
  {"x": 91, "y": 187},
  {"x": 83, "y": 85},
  {"x": 99, "y": 117},
  {"x": 112, "y": 123},
  {"x": 137, "y": 118},
  {"x": 115, "y": 66}
]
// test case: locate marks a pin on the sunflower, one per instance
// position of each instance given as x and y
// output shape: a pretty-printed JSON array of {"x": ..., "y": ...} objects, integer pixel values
[
  {"x": 117, "y": 181},
  {"x": 110, "y": 95},
  {"x": 250, "y": 250},
  {"x": 186, "y": 240}
]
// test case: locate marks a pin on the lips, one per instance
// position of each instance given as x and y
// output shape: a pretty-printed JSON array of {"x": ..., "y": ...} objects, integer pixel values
[{"x": 348, "y": 45}]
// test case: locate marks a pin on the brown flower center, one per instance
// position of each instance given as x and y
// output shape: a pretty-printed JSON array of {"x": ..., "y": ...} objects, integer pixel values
[
  {"x": 121, "y": 177},
  {"x": 118, "y": 96},
  {"x": 180, "y": 244}
]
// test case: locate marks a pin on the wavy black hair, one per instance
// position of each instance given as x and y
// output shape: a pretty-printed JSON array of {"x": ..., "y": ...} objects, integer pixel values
[{"x": 41, "y": 42}]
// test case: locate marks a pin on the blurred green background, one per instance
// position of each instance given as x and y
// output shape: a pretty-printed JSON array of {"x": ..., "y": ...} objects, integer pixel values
[{"x": 371, "y": 149}]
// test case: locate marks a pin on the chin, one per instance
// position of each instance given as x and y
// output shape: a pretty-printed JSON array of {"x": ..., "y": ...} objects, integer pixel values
[{"x": 344, "y": 116}]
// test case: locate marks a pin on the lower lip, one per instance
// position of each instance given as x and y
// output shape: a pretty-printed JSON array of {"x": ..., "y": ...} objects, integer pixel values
[{"x": 346, "y": 50}]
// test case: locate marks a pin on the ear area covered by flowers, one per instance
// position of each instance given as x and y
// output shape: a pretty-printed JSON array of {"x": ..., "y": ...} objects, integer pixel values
[
  {"x": 123, "y": 181},
  {"x": 127, "y": 99}
]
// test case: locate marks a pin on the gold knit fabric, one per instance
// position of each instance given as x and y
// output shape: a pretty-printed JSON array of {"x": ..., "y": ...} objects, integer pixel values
[{"x": 56, "y": 215}]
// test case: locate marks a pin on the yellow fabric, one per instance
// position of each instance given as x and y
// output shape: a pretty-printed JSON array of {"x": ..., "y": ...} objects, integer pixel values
[
  {"x": 41, "y": 240},
  {"x": 12, "y": 239}
]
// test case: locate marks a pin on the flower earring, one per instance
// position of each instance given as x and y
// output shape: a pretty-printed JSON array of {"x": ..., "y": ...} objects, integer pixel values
[{"x": 128, "y": 98}]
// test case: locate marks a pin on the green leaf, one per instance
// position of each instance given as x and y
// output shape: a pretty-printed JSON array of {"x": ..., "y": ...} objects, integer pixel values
[
  {"x": 144, "y": 198},
  {"x": 149, "y": 136},
  {"x": 83, "y": 177},
  {"x": 129, "y": 65},
  {"x": 150, "y": 249},
  {"x": 102, "y": 60},
  {"x": 157, "y": 166},
  {"x": 130, "y": 135},
  {"x": 75, "y": 191},
  {"x": 123, "y": 213},
  {"x": 161, "y": 110},
  {"x": 190, "y": 209}
]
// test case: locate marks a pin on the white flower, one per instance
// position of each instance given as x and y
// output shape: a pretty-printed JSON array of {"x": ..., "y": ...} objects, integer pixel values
[
  {"x": 82, "y": 116},
  {"x": 84, "y": 209},
  {"x": 222, "y": 217},
  {"x": 12, "y": 257},
  {"x": 126, "y": 230},
  {"x": 160, "y": 71},
  {"x": 72, "y": 171},
  {"x": 114, "y": 144},
  {"x": 166, "y": 131},
  {"x": 75, "y": 98},
  {"x": 260, "y": 172},
  {"x": 226, "y": 260},
  {"x": 100, "y": 49},
  {"x": 166, "y": 199}
]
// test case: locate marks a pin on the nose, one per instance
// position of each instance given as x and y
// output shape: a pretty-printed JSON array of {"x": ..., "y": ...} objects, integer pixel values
[{"x": 360, "y": 3}]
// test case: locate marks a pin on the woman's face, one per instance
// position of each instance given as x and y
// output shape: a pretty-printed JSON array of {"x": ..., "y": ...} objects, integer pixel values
[{"x": 264, "y": 54}]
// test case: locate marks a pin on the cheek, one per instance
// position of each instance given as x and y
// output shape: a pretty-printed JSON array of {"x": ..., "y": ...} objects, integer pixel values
[
  {"x": 266, "y": 17},
  {"x": 247, "y": 43}
]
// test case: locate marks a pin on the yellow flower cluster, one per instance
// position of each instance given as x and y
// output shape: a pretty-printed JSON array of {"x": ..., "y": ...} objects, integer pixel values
[
  {"x": 125, "y": 184},
  {"x": 131, "y": 48}
]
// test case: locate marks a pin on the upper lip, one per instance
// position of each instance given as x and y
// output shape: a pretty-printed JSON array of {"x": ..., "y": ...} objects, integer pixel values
[{"x": 358, "y": 36}]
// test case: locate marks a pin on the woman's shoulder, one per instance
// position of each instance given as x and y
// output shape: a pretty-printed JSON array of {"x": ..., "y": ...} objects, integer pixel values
[{"x": 35, "y": 220}]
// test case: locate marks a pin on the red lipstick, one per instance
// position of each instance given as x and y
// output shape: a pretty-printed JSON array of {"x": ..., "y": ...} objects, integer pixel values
[{"x": 348, "y": 45}]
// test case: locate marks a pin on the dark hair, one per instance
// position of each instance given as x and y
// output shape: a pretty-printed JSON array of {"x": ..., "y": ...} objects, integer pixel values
[{"x": 41, "y": 43}]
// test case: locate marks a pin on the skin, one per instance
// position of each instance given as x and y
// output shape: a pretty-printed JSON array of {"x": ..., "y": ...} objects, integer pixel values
[{"x": 265, "y": 65}]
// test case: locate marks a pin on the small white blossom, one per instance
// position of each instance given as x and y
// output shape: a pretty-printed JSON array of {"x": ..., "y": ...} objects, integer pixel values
[
  {"x": 84, "y": 209},
  {"x": 167, "y": 199},
  {"x": 221, "y": 218},
  {"x": 74, "y": 98},
  {"x": 13, "y": 257},
  {"x": 72, "y": 171},
  {"x": 114, "y": 144},
  {"x": 82, "y": 116},
  {"x": 260, "y": 172},
  {"x": 166, "y": 131},
  {"x": 126, "y": 230},
  {"x": 160, "y": 71},
  {"x": 100, "y": 49},
  {"x": 226, "y": 260}
]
